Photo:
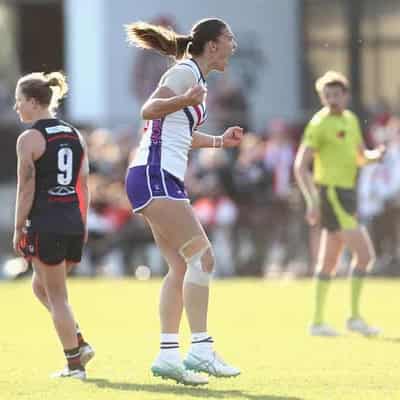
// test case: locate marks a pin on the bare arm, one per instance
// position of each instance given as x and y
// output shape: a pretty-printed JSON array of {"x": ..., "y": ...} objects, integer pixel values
[
  {"x": 25, "y": 185},
  {"x": 230, "y": 138},
  {"x": 25, "y": 181},
  {"x": 304, "y": 158},
  {"x": 164, "y": 101}
]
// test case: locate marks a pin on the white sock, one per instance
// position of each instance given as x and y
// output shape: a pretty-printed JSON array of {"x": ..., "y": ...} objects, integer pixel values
[
  {"x": 169, "y": 347},
  {"x": 202, "y": 342}
]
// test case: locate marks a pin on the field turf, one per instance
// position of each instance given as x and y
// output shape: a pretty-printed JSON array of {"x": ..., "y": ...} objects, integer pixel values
[{"x": 260, "y": 326}]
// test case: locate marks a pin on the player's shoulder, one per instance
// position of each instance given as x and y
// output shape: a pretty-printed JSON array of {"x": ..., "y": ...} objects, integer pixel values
[
  {"x": 182, "y": 69},
  {"x": 62, "y": 122},
  {"x": 28, "y": 135},
  {"x": 350, "y": 115},
  {"x": 319, "y": 117},
  {"x": 29, "y": 141}
]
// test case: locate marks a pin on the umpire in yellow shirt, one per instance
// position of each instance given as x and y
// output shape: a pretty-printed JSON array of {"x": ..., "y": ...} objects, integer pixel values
[{"x": 333, "y": 143}]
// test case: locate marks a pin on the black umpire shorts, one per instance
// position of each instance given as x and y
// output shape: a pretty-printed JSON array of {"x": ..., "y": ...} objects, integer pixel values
[
  {"x": 338, "y": 208},
  {"x": 52, "y": 248}
]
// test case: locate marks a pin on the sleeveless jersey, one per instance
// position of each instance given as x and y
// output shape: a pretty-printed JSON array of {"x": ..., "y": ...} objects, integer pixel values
[
  {"x": 56, "y": 204},
  {"x": 166, "y": 141}
]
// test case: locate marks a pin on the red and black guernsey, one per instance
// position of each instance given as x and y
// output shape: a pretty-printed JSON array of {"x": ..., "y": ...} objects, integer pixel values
[{"x": 55, "y": 207}]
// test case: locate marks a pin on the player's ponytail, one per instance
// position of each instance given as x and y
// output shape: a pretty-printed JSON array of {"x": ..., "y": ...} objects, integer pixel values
[
  {"x": 155, "y": 37},
  {"x": 46, "y": 89},
  {"x": 57, "y": 82},
  {"x": 167, "y": 42}
]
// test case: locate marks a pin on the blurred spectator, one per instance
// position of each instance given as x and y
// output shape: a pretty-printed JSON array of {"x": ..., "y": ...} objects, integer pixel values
[
  {"x": 231, "y": 105},
  {"x": 215, "y": 210},
  {"x": 278, "y": 160},
  {"x": 252, "y": 190},
  {"x": 379, "y": 189}
]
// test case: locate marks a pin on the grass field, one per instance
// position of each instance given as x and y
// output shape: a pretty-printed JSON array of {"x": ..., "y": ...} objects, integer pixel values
[{"x": 258, "y": 325}]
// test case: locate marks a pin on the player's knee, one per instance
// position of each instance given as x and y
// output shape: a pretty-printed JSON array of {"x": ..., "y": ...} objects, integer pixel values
[
  {"x": 325, "y": 269},
  {"x": 175, "y": 277},
  {"x": 57, "y": 296},
  {"x": 38, "y": 289},
  {"x": 208, "y": 260},
  {"x": 199, "y": 259},
  {"x": 366, "y": 261}
]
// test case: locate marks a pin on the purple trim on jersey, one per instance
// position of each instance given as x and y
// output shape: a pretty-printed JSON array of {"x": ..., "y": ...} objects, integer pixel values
[
  {"x": 204, "y": 109},
  {"x": 146, "y": 182},
  {"x": 190, "y": 118},
  {"x": 154, "y": 157}
]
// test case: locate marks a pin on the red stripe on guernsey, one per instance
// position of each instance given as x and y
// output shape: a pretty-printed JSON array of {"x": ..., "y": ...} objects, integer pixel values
[
  {"x": 62, "y": 136},
  {"x": 198, "y": 112},
  {"x": 79, "y": 191},
  {"x": 36, "y": 249}
]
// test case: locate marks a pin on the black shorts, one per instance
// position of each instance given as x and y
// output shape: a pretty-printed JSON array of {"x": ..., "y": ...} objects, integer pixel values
[
  {"x": 338, "y": 208},
  {"x": 52, "y": 248}
]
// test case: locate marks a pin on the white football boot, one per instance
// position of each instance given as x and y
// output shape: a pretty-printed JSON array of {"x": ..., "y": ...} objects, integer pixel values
[
  {"x": 87, "y": 353},
  {"x": 210, "y": 363},
  {"x": 176, "y": 371},
  {"x": 70, "y": 373}
]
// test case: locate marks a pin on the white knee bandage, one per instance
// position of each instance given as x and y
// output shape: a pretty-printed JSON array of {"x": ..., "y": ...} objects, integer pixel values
[{"x": 194, "y": 272}]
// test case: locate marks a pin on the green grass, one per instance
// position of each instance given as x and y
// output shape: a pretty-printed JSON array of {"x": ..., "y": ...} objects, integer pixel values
[{"x": 261, "y": 326}]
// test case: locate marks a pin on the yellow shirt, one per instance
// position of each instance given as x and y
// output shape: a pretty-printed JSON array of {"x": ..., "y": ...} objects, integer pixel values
[{"x": 335, "y": 140}]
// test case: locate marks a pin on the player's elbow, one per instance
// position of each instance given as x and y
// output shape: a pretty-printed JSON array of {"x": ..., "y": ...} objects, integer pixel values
[
  {"x": 145, "y": 114},
  {"x": 297, "y": 167},
  {"x": 148, "y": 112},
  {"x": 299, "y": 171}
]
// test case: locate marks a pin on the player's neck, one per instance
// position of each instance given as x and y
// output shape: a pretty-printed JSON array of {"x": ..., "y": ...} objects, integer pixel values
[
  {"x": 45, "y": 114},
  {"x": 203, "y": 65},
  {"x": 335, "y": 111}
]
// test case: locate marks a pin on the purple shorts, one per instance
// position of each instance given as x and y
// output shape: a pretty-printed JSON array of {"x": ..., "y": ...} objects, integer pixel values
[{"x": 147, "y": 182}]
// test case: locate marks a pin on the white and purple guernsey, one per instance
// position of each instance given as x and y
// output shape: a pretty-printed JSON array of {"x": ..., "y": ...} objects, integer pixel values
[
  {"x": 159, "y": 166},
  {"x": 167, "y": 141}
]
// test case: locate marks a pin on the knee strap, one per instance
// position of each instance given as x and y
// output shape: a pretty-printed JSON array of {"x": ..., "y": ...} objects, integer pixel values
[{"x": 192, "y": 252}]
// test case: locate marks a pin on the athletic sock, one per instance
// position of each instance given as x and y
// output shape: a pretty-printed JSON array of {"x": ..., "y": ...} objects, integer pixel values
[
  {"x": 322, "y": 284},
  {"x": 81, "y": 340},
  {"x": 169, "y": 347},
  {"x": 73, "y": 357},
  {"x": 202, "y": 342},
  {"x": 357, "y": 281}
]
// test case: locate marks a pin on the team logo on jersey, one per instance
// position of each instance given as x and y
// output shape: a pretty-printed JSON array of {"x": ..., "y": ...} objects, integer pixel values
[
  {"x": 62, "y": 191},
  {"x": 341, "y": 134},
  {"x": 51, "y": 130}
]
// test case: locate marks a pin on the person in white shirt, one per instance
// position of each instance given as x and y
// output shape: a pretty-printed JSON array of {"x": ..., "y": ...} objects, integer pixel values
[{"x": 155, "y": 187}]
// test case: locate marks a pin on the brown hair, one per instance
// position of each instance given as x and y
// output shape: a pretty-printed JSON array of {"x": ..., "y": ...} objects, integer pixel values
[
  {"x": 167, "y": 42},
  {"x": 46, "y": 89},
  {"x": 331, "y": 78}
]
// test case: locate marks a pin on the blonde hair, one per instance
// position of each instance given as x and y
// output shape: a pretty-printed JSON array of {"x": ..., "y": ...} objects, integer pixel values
[
  {"x": 46, "y": 89},
  {"x": 331, "y": 78},
  {"x": 156, "y": 37},
  {"x": 167, "y": 42}
]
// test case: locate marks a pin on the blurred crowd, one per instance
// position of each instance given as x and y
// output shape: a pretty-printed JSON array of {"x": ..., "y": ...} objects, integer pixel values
[{"x": 245, "y": 198}]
